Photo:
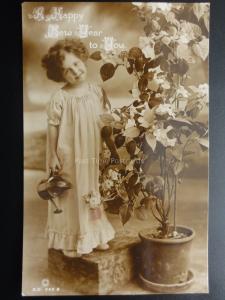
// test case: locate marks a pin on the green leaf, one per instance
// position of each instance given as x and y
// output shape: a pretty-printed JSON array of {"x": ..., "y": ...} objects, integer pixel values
[
  {"x": 149, "y": 115},
  {"x": 152, "y": 64},
  {"x": 181, "y": 120},
  {"x": 177, "y": 152},
  {"x": 146, "y": 201},
  {"x": 139, "y": 64},
  {"x": 132, "y": 180},
  {"x": 135, "y": 53},
  {"x": 147, "y": 29},
  {"x": 164, "y": 65},
  {"x": 204, "y": 142},
  {"x": 183, "y": 51},
  {"x": 107, "y": 118},
  {"x": 201, "y": 49},
  {"x": 186, "y": 153},
  {"x": 159, "y": 181},
  {"x": 151, "y": 140},
  {"x": 132, "y": 132},
  {"x": 199, "y": 10},
  {"x": 144, "y": 96},
  {"x": 194, "y": 112},
  {"x": 118, "y": 125},
  {"x": 191, "y": 105},
  {"x": 141, "y": 213},
  {"x": 142, "y": 84},
  {"x": 107, "y": 71},
  {"x": 206, "y": 21},
  {"x": 148, "y": 75},
  {"x": 125, "y": 213},
  {"x": 137, "y": 188},
  {"x": 130, "y": 68},
  {"x": 178, "y": 167},
  {"x": 154, "y": 85},
  {"x": 200, "y": 127},
  {"x": 96, "y": 55}
]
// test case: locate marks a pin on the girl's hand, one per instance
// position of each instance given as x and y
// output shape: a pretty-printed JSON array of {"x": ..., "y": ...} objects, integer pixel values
[{"x": 54, "y": 163}]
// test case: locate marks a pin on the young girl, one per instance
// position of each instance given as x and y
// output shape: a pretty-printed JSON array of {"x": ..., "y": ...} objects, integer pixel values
[{"x": 73, "y": 148}]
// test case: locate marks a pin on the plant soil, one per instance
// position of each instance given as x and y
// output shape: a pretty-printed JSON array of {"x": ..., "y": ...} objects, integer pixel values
[{"x": 173, "y": 234}]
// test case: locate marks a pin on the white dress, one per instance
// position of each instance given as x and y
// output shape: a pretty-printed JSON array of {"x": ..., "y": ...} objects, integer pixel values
[{"x": 79, "y": 144}]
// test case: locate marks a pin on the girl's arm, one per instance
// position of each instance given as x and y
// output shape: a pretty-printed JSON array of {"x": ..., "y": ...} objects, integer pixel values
[
  {"x": 106, "y": 102},
  {"x": 53, "y": 132}
]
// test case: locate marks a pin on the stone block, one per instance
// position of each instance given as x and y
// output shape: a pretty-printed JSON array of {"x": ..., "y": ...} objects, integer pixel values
[{"x": 99, "y": 272}]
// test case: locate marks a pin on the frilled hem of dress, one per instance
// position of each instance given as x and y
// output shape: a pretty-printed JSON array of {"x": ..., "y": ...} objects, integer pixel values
[{"x": 82, "y": 245}]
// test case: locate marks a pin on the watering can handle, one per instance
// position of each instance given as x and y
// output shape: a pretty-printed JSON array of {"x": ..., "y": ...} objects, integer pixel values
[{"x": 52, "y": 173}]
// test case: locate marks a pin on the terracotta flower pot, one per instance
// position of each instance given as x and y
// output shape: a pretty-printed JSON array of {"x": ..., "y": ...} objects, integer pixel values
[{"x": 166, "y": 261}]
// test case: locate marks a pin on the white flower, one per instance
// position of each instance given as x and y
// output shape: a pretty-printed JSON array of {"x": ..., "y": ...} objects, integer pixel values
[
  {"x": 93, "y": 199},
  {"x": 160, "y": 6},
  {"x": 204, "y": 89},
  {"x": 132, "y": 111},
  {"x": 147, "y": 46},
  {"x": 147, "y": 119},
  {"x": 135, "y": 93},
  {"x": 166, "y": 85},
  {"x": 130, "y": 166},
  {"x": 107, "y": 184},
  {"x": 184, "y": 39},
  {"x": 148, "y": 51},
  {"x": 161, "y": 136},
  {"x": 181, "y": 91},
  {"x": 188, "y": 32},
  {"x": 106, "y": 153},
  {"x": 154, "y": 6},
  {"x": 113, "y": 174},
  {"x": 130, "y": 123},
  {"x": 138, "y": 3},
  {"x": 164, "y": 109},
  {"x": 110, "y": 57}
]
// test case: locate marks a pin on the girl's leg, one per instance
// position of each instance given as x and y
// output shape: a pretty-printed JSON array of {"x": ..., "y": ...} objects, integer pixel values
[
  {"x": 103, "y": 246},
  {"x": 71, "y": 253}
]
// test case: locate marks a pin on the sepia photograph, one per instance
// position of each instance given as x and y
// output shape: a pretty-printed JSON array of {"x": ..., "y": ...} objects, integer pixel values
[{"x": 116, "y": 119}]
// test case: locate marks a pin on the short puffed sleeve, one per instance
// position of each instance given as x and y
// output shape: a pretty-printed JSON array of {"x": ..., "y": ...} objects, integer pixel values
[{"x": 54, "y": 109}]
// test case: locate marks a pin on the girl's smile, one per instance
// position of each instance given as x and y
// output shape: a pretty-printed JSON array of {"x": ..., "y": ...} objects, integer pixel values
[{"x": 73, "y": 68}]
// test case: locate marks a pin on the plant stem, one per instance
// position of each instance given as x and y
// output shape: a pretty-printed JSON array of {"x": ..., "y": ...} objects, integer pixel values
[
  {"x": 164, "y": 176},
  {"x": 161, "y": 166},
  {"x": 160, "y": 221},
  {"x": 175, "y": 202},
  {"x": 177, "y": 99},
  {"x": 169, "y": 196}
]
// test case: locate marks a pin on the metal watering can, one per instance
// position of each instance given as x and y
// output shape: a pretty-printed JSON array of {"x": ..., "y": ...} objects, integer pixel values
[{"x": 52, "y": 187}]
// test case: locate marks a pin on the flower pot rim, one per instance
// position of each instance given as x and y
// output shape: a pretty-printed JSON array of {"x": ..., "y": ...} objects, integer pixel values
[
  {"x": 167, "y": 288},
  {"x": 143, "y": 235}
]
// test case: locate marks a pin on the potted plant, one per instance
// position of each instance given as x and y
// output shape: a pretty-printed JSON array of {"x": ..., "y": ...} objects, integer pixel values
[{"x": 163, "y": 126}]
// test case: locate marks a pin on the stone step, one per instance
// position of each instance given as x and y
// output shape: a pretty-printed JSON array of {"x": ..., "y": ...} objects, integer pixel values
[{"x": 99, "y": 272}]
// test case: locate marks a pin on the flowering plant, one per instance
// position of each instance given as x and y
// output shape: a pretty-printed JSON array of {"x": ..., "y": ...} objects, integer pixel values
[
  {"x": 164, "y": 124},
  {"x": 93, "y": 199}
]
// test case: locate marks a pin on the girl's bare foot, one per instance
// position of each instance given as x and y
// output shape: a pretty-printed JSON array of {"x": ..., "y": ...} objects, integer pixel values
[
  {"x": 71, "y": 253},
  {"x": 103, "y": 247}
]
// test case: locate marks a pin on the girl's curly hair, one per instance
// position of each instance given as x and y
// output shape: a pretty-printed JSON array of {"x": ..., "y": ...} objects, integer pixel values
[{"x": 52, "y": 61}]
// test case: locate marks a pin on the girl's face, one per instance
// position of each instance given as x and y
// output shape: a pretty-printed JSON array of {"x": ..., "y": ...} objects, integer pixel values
[{"x": 73, "y": 68}]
